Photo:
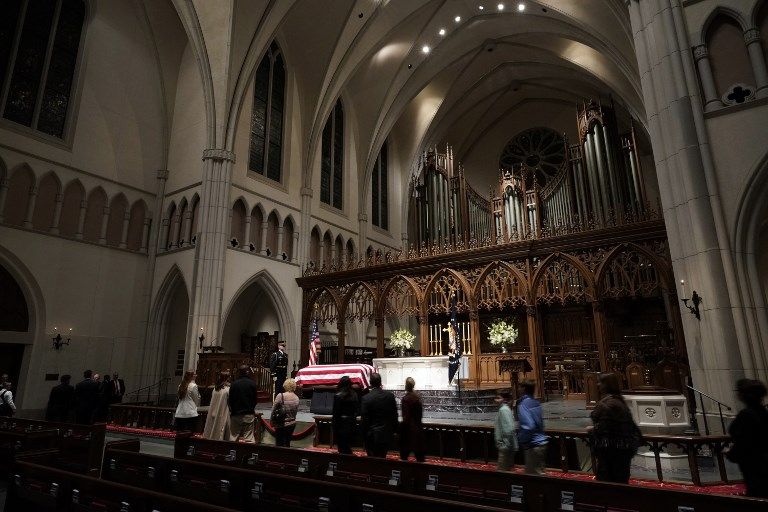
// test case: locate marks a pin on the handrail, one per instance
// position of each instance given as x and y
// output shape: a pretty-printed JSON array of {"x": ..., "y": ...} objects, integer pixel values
[
  {"x": 720, "y": 406},
  {"x": 148, "y": 387}
]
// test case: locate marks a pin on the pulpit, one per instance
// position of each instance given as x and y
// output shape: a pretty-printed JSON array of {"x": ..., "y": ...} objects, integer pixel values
[{"x": 515, "y": 367}]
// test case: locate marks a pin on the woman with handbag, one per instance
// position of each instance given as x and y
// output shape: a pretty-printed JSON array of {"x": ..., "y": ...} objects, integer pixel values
[{"x": 283, "y": 417}]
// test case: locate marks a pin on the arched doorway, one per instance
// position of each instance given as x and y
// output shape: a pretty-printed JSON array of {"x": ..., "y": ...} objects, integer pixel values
[{"x": 14, "y": 327}]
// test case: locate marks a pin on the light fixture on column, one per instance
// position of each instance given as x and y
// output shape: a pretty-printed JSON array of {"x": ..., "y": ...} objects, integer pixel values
[
  {"x": 201, "y": 338},
  {"x": 58, "y": 339},
  {"x": 695, "y": 299}
]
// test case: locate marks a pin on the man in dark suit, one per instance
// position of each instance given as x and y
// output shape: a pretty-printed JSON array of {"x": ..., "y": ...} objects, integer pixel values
[
  {"x": 86, "y": 399},
  {"x": 60, "y": 401},
  {"x": 278, "y": 365},
  {"x": 379, "y": 418},
  {"x": 119, "y": 389}
]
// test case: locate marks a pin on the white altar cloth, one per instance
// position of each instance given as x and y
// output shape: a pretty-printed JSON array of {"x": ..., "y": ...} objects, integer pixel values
[{"x": 428, "y": 372}]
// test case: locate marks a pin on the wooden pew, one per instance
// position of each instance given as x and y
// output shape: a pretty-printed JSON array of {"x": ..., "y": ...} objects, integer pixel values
[
  {"x": 38, "y": 488},
  {"x": 149, "y": 417},
  {"x": 16, "y": 442},
  {"x": 448, "y": 482},
  {"x": 81, "y": 446},
  {"x": 247, "y": 489}
]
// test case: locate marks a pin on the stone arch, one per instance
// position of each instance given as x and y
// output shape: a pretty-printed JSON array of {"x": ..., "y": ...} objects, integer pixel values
[
  {"x": 561, "y": 283},
  {"x": 48, "y": 192},
  {"x": 436, "y": 298},
  {"x": 118, "y": 210},
  {"x": 327, "y": 245},
  {"x": 138, "y": 214},
  {"x": 94, "y": 214},
  {"x": 760, "y": 8},
  {"x": 237, "y": 222},
  {"x": 246, "y": 298},
  {"x": 496, "y": 287},
  {"x": 273, "y": 221},
  {"x": 195, "y": 219},
  {"x": 73, "y": 197},
  {"x": 289, "y": 228},
  {"x": 338, "y": 246},
  {"x": 21, "y": 183},
  {"x": 717, "y": 11},
  {"x": 315, "y": 241},
  {"x": 350, "y": 251},
  {"x": 723, "y": 34}
]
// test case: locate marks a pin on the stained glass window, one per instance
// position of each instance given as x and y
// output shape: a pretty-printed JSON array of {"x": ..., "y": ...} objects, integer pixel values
[
  {"x": 379, "y": 189},
  {"x": 37, "y": 65},
  {"x": 265, "y": 152},
  {"x": 332, "y": 159}
]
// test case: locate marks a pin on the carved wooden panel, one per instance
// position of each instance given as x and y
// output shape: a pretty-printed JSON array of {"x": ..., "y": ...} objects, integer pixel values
[
  {"x": 400, "y": 299},
  {"x": 440, "y": 293},
  {"x": 361, "y": 304},
  {"x": 501, "y": 288},
  {"x": 630, "y": 274},
  {"x": 562, "y": 282}
]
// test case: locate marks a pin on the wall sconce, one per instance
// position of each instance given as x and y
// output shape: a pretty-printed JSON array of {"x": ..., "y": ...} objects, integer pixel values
[
  {"x": 201, "y": 338},
  {"x": 695, "y": 300},
  {"x": 58, "y": 339}
]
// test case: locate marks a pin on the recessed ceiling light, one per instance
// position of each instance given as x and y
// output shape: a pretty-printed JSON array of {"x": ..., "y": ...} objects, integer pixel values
[
  {"x": 425, "y": 49},
  {"x": 521, "y": 7},
  {"x": 480, "y": 7},
  {"x": 442, "y": 32},
  {"x": 457, "y": 19},
  {"x": 500, "y": 7}
]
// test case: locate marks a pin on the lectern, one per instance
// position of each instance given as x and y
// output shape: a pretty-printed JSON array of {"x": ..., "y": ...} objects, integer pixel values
[{"x": 514, "y": 367}]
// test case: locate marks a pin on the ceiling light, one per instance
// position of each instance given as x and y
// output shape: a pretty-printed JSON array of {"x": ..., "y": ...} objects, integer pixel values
[
  {"x": 457, "y": 19},
  {"x": 521, "y": 7},
  {"x": 425, "y": 49},
  {"x": 442, "y": 32},
  {"x": 500, "y": 7},
  {"x": 480, "y": 7}
]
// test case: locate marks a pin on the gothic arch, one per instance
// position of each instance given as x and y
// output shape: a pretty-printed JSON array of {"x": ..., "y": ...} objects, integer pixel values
[
  {"x": 569, "y": 291},
  {"x": 478, "y": 293},
  {"x": 381, "y": 307},
  {"x": 664, "y": 276},
  {"x": 361, "y": 310},
  {"x": 48, "y": 190},
  {"x": 439, "y": 284},
  {"x": 715, "y": 13}
]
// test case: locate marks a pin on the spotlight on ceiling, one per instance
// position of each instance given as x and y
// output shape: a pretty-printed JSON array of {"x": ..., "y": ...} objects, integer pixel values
[
  {"x": 457, "y": 19},
  {"x": 425, "y": 49},
  {"x": 521, "y": 7},
  {"x": 500, "y": 7},
  {"x": 442, "y": 32}
]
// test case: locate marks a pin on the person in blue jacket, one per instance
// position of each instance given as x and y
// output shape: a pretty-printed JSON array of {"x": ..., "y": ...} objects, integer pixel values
[{"x": 530, "y": 434}]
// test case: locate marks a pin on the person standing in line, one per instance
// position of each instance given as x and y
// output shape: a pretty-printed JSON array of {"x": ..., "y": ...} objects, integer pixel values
[
  {"x": 346, "y": 407},
  {"x": 530, "y": 435},
  {"x": 186, "y": 414},
  {"x": 86, "y": 399},
  {"x": 504, "y": 432},
  {"x": 60, "y": 401},
  {"x": 289, "y": 403},
  {"x": 278, "y": 366},
  {"x": 616, "y": 437},
  {"x": 7, "y": 407},
  {"x": 242, "y": 405},
  {"x": 748, "y": 433},
  {"x": 378, "y": 418},
  {"x": 411, "y": 429},
  {"x": 118, "y": 389},
  {"x": 217, "y": 422},
  {"x": 105, "y": 397}
]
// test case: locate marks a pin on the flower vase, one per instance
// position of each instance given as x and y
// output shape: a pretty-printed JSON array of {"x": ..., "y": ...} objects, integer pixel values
[
  {"x": 401, "y": 352},
  {"x": 503, "y": 349}
]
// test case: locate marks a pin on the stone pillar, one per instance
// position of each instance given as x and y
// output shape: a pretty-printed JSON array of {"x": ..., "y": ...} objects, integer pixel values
[
  {"x": 124, "y": 234},
  {"x": 54, "y": 229},
  {"x": 175, "y": 229},
  {"x": 247, "y": 237},
  {"x": 333, "y": 262},
  {"x": 295, "y": 248},
  {"x": 3, "y": 195},
  {"x": 211, "y": 251},
  {"x": 186, "y": 228},
  {"x": 81, "y": 220},
  {"x": 698, "y": 238},
  {"x": 305, "y": 227},
  {"x": 104, "y": 224},
  {"x": 757, "y": 59},
  {"x": 30, "y": 207},
  {"x": 145, "y": 234},
  {"x": 711, "y": 99},
  {"x": 264, "y": 227},
  {"x": 362, "y": 231}
]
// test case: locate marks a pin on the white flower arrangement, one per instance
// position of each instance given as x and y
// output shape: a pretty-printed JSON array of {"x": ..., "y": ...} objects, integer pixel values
[
  {"x": 502, "y": 334},
  {"x": 401, "y": 339}
]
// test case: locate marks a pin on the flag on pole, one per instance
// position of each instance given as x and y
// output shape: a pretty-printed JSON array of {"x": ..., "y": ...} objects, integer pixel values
[
  {"x": 454, "y": 342},
  {"x": 314, "y": 343}
]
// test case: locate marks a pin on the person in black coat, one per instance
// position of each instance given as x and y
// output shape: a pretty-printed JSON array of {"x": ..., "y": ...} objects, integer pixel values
[
  {"x": 748, "y": 432},
  {"x": 86, "y": 399},
  {"x": 118, "y": 389},
  {"x": 379, "y": 418},
  {"x": 346, "y": 407},
  {"x": 60, "y": 401},
  {"x": 278, "y": 366}
]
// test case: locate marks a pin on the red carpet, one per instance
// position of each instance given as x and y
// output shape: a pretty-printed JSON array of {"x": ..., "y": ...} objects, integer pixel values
[{"x": 727, "y": 489}]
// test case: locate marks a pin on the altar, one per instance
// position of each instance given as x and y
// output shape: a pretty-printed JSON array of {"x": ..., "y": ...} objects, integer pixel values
[{"x": 428, "y": 372}]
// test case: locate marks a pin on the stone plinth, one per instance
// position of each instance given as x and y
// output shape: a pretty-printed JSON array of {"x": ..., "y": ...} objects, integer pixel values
[
  {"x": 658, "y": 410},
  {"x": 428, "y": 372}
]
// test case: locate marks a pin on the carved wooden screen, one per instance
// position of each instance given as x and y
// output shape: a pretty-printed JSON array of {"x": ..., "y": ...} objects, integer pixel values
[
  {"x": 562, "y": 282},
  {"x": 630, "y": 274},
  {"x": 360, "y": 305},
  {"x": 501, "y": 288},
  {"x": 440, "y": 294},
  {"x": 401, "y": 299},
  {"x": 325, "y": 309}
]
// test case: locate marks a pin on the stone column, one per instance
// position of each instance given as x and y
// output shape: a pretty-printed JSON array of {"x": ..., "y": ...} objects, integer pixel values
[
  {"x": 30, "y": 207},
  {"x": 210, "y": 255},
  {"x": 295, "y": 248},
  {"x": 264, "y": 227},
  {"x": 279, "y": 250},
  {"x": 247, "y": 237},
  {"x": 3, "y": 195},
  {"x": 145, "y": 234},
  {"x": 104, "y": 224},
  {"x": 81, "y": 220},
  {"x": 124, "y": 234},
  {"x": 362, "y": 231},
  {"x": 757, "y": 59},
  {"x": 54, "y": 229},
  {"x": 175, "y": 229},
  {"x": 186, "y": 227},
  {"x": 306, "y": 210},
  {"x": 711, "y": 99}
]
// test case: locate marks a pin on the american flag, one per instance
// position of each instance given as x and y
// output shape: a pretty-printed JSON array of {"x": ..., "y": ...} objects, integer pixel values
[{"x": 314, "y": 343}]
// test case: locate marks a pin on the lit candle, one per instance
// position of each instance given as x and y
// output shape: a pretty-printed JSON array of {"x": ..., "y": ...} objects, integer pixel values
[{"x": 682, "y": 287}]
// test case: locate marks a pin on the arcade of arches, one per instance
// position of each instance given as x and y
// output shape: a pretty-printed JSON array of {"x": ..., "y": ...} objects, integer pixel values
[{"x": 187, "y": 180}]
